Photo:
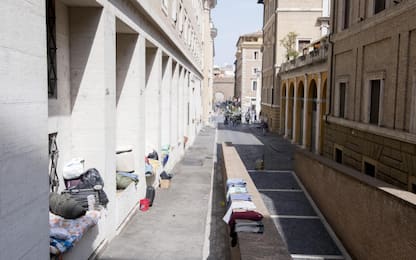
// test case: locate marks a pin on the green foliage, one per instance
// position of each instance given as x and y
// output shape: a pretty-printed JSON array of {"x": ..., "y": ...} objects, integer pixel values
[{"x": 289, "y": 43}]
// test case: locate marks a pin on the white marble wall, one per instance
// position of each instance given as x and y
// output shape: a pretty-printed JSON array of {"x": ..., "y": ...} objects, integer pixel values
[{"x": 23, "y": 127}]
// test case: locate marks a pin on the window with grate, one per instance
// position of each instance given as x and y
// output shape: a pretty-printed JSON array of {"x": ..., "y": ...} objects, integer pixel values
[
  {"x": 338, "y": 155},
  {"x": 254, "y": 85},
  {"x": 342, "y": 89},
  {"x": 375, "y": 101},
  {"x": 53, "y": 162},
  {"x": 379, "y": 5},
  {"x": 51, "y": 48},
  {"x": 346, "y": 14},
  {"x": 369, "y": 169}
]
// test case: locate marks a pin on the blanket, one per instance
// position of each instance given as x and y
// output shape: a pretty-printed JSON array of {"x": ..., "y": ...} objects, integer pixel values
[{"x": 61, "y": 241}]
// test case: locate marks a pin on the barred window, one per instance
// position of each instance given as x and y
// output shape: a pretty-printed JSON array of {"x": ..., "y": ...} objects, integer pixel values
[{"x": 51, "y": 48}]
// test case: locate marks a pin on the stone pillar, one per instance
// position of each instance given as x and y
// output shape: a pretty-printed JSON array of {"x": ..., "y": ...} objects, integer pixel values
[
  {"x": 319, "y": 104},
  {"x": 141, "y": 142},
  {"x": 287, "y": 109},
  {"x": 24, "y": 203},
  {"x": 295, "y": 114},
  {"x": 93, "y": 95},
  {"x": 152, "y": 94},
  {"x": 180, "y": 110},
  {"x": 174, "y": 136},
  {"x": 165, "y": 101},
  {"x": 305, "y": 115}
]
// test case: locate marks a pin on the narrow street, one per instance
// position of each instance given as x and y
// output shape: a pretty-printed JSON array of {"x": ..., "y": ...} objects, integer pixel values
[
  {"x": 299, "y": 222},
  {"x": 181, "y": 224}
]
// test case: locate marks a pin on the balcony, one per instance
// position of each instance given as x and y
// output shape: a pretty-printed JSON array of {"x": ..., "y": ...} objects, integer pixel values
[{"x": 316, "y": 53}]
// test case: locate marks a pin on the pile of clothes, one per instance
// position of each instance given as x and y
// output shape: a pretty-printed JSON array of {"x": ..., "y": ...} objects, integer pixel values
[
  {"x": 125, "y": 174},
  {"x": 76, "y": 209},
  {"x": 241, "y": 215}
]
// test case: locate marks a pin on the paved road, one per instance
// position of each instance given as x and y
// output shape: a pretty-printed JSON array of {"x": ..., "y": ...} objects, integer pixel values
[{"x": 294, "y": 214}]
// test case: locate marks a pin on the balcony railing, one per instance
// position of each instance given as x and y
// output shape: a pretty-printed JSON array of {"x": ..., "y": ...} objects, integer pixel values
[{"x": 315, "y": 55}]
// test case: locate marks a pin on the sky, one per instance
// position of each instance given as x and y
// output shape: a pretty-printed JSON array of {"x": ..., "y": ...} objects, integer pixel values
[{"x": 233, "y": 18}]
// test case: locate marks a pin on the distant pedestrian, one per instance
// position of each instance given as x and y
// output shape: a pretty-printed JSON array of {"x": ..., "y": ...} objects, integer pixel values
[{"x": 264, "y": 127}]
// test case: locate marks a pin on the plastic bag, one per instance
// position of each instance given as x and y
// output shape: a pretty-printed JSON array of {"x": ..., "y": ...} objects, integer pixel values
[{"x": 73, "y": 169}]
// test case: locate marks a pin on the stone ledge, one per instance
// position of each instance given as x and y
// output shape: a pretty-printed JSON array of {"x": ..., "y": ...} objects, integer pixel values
[{"x": 268, "y": 245}]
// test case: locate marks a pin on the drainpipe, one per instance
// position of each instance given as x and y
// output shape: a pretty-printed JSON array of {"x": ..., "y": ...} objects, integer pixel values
[{"x": 331, "y": 68}]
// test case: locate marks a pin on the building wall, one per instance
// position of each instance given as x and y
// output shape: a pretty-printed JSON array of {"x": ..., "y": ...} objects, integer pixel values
[
  {"x": 248, "y": 57},
  {"x": 224, "y": 85},
  {"x": 373, "y": 219},
  {"x": 127, "y": 75},
  {"x": 23, "y": 123},
  {"x": 248, "y": 94},
  {"x": 357, "y": 61},
  {"x": 290, "y": 16}
]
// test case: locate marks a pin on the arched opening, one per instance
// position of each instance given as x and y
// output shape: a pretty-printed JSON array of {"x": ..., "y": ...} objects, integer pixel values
[
  {"x": 298, "y": 131},
  {"x": 283, "y": 110},
  {"x": 290, "y": 101},
  {"x": 311, "y": 117}
]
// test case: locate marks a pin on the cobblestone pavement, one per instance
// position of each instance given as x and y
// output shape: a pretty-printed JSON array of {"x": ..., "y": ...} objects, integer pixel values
[{"x": 294, "y": 213}]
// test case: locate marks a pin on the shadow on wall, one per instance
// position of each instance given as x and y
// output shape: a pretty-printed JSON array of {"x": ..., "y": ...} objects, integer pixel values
[
  {"x": 83, "y": 24},
  {"x": 125, "y": 46}
]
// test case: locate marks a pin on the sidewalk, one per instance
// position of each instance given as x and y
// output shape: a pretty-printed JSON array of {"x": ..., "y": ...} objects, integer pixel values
[{"x": 175, "y": 226}]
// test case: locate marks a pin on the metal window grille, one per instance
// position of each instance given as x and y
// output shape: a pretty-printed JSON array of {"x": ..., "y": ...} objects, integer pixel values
[
  {"x": 53, "y": 163},
  {"x": 51, "y": 48}
]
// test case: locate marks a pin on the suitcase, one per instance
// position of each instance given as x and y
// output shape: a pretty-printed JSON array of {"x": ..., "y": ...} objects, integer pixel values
[{"x": 150, "y": 194}]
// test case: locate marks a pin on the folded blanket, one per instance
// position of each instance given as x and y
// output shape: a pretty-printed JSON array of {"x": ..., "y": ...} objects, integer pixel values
[
  {"x": 249, "y": 229},
  {"x": 250, "y": 215},
  {"x": 238, "y": 205},
  {"x": 240, "y": 196},
  {"x": 233, "y": 190},
  {"x": 76, "y": 228},
  {"x": 236, "y": 182},
  {"x": 133, "y": 176}
]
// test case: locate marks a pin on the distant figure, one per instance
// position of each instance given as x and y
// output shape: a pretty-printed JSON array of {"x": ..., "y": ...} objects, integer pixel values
[
  {"x": 264, "y": 127},
  {"x": 247, "y": 117}
]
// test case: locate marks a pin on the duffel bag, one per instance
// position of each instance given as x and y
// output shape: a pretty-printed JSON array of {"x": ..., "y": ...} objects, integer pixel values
[
  {"x": 65, "y": 206},
  {"x": 81, "y": 196}
]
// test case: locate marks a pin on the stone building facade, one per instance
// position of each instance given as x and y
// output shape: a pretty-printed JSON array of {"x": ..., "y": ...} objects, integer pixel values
[
  {"x": 117, "y": 73},
  {"x": 309, "y": 20},
  {"x": 303, "y": 97},
  {"x": 223, "y": 84},
  {"x": 247, "y": 70},
  {"x": 371, "y": 123}
]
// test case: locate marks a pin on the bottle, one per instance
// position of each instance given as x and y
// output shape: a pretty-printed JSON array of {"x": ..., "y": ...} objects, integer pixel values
[{"x": 91, "y": 202}]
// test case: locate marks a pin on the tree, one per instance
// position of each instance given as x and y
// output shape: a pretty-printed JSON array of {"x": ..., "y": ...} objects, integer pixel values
[{"x": 289, "y": 43}]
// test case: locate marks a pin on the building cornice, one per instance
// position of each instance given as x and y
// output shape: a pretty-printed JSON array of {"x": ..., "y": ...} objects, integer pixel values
[
  {"x": 373, "y": 129},
  {"x": 305, "y": 10}
]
